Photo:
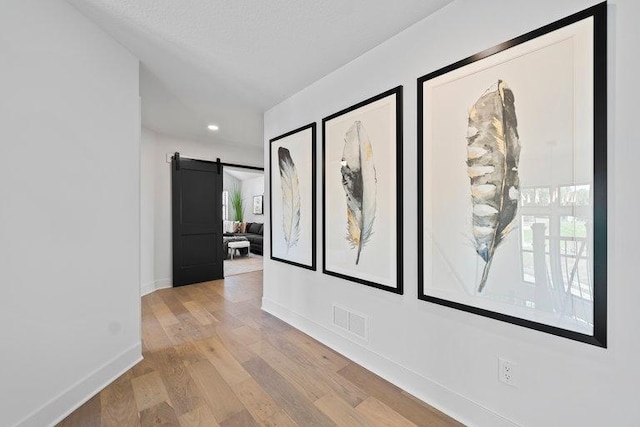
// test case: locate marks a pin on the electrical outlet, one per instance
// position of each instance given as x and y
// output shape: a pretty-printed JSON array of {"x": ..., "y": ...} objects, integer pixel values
[{"x": 508, "y": 372}]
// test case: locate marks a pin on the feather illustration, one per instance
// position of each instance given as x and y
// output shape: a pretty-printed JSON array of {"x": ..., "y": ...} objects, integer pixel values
[
  {"x": 359, "y": 182},
  {"x": 493, "y": 153},
  {"x": 290, "y": 197}
]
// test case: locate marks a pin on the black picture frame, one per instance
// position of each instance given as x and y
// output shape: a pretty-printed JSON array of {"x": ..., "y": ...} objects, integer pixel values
[
  {"x": 598, "y": 15},
  {"x": 258, "y": 205},
  {"x": 309, "y": 168},
  {"x": 397, "y": 228}
]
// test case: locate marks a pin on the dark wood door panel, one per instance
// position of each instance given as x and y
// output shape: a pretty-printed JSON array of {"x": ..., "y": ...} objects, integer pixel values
[{"x": 197, "y": 221}]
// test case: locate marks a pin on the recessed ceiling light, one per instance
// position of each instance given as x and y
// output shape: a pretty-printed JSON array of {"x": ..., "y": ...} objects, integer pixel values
[{"x": 212, "y": 127}]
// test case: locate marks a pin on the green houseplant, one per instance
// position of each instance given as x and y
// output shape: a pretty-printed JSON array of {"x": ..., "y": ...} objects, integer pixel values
[{"x": 236, "y": 203}]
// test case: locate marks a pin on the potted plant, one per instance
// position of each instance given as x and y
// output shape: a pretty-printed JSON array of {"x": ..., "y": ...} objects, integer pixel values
[{"x": 236, "y": 203}]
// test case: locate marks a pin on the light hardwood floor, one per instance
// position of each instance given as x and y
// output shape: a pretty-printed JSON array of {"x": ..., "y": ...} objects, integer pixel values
[{"x": 213, "y": 358}]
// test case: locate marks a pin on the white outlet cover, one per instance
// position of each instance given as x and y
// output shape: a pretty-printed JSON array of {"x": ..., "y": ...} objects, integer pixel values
[{"x": 508, "y": 372}]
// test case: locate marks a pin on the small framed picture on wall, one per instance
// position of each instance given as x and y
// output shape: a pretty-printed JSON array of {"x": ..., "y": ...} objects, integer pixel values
[{"x": 257, "y": 205}]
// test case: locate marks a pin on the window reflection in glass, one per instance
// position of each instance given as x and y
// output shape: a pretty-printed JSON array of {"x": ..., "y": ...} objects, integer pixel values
[
  {"x": 225, "y": 205},
  {"x": 575, "y": 195},
  {"x": 559, "y": 219},
  {"x": 537, "y": 196}
]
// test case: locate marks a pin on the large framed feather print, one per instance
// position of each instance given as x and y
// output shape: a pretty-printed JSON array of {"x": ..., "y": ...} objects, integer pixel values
[
  {"x": 362, "y": 192},
  {"x": 292, "y": 197},
  {"x": 512, "y": 181}
]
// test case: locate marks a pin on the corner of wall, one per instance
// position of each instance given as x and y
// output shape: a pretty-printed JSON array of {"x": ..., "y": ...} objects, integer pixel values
[{"x": 75, "y": 396}]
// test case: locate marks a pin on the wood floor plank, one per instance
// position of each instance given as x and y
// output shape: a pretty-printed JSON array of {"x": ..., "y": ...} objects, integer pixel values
[
  {"x": 189, "y": 330},
  {"x": 345, "y": 389},
  {"x": 231, "y": 292},
  {"x": 170, "y": 298},
  {"x": 189, "y": 352},
  {"x": 199, "y": 417},
  {"x": 273, "y": 323},
  {"x": 240, "y": 310},
  {"x": 241, "y": 352},
  {"x": 159, "y": 415},
  {"x": 163, "y": 314},
  {"x": 292, "y": 351},
  {"x": 321, "y": 354},
  {"x": 146, "y": 365},
  {"x": 247, "y": 335},
  {"x": 341, "y": 412},
  {"x": 249, "y": 320},
  {"x": 263, "y": 408},
  {"x": 303, "y": 379},
  {"x": 87, "y": 415},
  {"x": 227, "y": 319},
  {"x": 281, "y": 420},
  {"x": 148, "y": 390},
  {"x": 381, "y": 415},
  {"x": 180, "y": 386},
  {"x": 230, "y": 369},
  {"x": 300, "y": 409},
  {"x": 200, "y": 313},
  {"x": 320, "y": 374},
  {"x": 419, "y": 413},
  {"x": 154, "y": 337},
  {"x": 152, "y": 298},
  {"x": 118, "y": 406},
  {"x": 207, "y": 297},
  {"x": 325, "y": 379},
  {"x": 241, "y": 419},
  {"x": 218, "y": 394}
]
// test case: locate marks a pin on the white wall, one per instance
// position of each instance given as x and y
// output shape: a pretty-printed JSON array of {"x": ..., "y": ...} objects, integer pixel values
[
  {"x": 147, "y": 211},
  {"x": 69, "y": 216},
  {"x": 448, "y": 357},
  {"x": 155, "y": 148},
  {"x": 229, "y": 183},
  {"x": 252, "y": 187}
]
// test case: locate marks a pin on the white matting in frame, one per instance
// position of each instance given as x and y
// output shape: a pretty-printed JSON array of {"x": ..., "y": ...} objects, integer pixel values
[
  {"x": 292, "y": 186},
  {"x": 362, "y": 192}
]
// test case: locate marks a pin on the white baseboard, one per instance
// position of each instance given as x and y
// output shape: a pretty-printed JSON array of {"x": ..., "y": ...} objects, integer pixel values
[
  {"x": 73, "y": 397},
  {"x": 440, "y": 397},
  {"x": 164, "y": 283},
  {"x": 149, "y": 287}
]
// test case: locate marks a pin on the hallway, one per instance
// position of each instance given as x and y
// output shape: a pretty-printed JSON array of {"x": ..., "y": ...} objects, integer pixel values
[{"x": 212, "y": 357}]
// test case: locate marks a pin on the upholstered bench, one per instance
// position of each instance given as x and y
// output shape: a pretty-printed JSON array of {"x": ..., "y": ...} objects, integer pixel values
[
  {"x": 228, "y": 239},
  {"x": 237, "y": 245}
]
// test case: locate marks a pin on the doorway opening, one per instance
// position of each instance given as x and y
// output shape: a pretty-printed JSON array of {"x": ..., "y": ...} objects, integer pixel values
[{"x": 243, "y": 219}]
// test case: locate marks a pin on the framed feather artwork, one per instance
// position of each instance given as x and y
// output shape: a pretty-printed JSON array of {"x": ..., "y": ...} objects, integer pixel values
[
  {"x": 512, "y": 181},
  {"x": 362, "y": 192},
  {"x": 292, "y": 197}
]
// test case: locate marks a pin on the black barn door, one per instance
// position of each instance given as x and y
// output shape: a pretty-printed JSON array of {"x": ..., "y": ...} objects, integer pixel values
[{"x": 197, "y": 220}]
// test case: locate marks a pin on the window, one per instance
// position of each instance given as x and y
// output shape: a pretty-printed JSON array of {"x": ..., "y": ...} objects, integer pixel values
[{"x": 225, "y": 205}]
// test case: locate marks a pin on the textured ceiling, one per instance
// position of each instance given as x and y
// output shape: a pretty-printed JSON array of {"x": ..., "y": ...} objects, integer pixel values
[{"x": 227, "y": 61}]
